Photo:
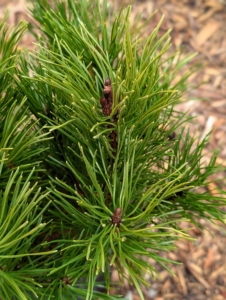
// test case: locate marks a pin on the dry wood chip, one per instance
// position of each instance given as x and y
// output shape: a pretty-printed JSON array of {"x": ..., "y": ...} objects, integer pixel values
[
  {"x": 221, "y": 162},
  {"x": 182, "y": 281},
  {"x": 163, "y": 275},
  {"x": 180, "y": 22},
  {"x": 197, "y": 231},
  {"x": 173, "y": 256},
  {"x": 213, "y": 188},
  {"x": 212, "y": 71},
  {"x": 166, "y": 286},
  {"x": 192, "y": 270},
  {"x": 146, "y": 8},
  {"x": 195, "y": 285},
  {"x": 114, "y": 276},
  {"x": 218, "y": 297},
  {"x": 195, "y": 268},
  {"x": 177, "y": 40},
  {"x": 207, "y": 15},
  {"x": 219, "y": 103},
  {"x": 218, "y": 80},
  {"x": 209, "y": 259},
  {"x": 172, "y": 296},
  {"x": 217, "y": 50},
  {"x": 183, "y": 245},
  {"x": 206, "y": 32},
  {"x": 200, "y": 297},
  {"x": 215, "y": 4},
  {"x": 220, "y": 135},
  {"x": 197, "y": 254},
  {"x": 218, "y": 272},
  {"x": 208, "y": 92}
]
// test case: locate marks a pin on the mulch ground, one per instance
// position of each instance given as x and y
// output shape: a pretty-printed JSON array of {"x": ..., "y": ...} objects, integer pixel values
[{"x": 199, "y": 26}]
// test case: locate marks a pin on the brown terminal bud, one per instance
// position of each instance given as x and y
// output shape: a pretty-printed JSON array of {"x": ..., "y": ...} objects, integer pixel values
[
  {"x": 172, "y": 136},
  {"x": 107, "y": 90},
  {"x": 66, "y": 280},
  {"x": 107, "y": 111},
  {"x": 103, "y": 102},
  {"x": 117, "y": 217},
  {"x": 107, "y": 82}
]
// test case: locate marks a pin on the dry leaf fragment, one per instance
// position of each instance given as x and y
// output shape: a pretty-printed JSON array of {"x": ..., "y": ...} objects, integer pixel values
[{"x": 206, "y": 32}]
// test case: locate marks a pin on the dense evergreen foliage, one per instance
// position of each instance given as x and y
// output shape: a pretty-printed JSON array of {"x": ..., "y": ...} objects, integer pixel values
[{"x": 96, "y": 168}]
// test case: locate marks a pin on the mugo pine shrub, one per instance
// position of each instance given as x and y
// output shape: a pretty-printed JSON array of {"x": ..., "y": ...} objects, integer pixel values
[{"x": 96, "y": 168}]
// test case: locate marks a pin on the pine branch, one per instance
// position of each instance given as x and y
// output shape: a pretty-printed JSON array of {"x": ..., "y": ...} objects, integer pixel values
[{"x": 90, "y": 119}]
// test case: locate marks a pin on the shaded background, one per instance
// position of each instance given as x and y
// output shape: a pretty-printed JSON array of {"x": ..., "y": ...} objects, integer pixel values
[{"x": 197, "y": 26}]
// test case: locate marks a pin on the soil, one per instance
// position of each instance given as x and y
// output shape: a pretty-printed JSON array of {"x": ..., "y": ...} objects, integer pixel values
[{"x": 197, "y": 26}]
